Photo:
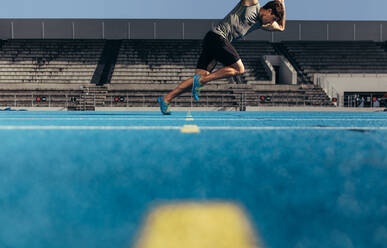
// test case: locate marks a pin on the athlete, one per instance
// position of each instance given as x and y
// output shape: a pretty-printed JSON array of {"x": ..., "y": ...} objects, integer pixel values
[{"x": 246, "y": 17}]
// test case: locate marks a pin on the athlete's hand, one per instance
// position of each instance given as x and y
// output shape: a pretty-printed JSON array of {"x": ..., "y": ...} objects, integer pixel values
[{"x": 281, "y": 1}]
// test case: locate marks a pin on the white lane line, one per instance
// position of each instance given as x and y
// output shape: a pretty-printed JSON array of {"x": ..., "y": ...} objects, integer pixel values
[
  {"x": 190, "y": 128},
  {"x": 90, "y": 127},
  {"x": 189, "y": 117},
  {"x": 182, "y": 119},
  {"x": 179, "y": 128},
  {"x": 294, "y": 128}
]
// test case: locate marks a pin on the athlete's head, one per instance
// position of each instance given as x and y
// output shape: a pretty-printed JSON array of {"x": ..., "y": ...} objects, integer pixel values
[{"x": 272, "y": 11}]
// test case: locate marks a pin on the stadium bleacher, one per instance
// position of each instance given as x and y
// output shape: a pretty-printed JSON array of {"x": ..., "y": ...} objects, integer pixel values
[
  {"x": 161, "y": 65},
  {"x": 49, "y": 61},
  {"x": 155, "y": 62},
  {"x": 46, "y": 73},
  {"x": 251, "y": 54},
  {"x": 172, "y": 61},
  {"x": 141, "y": 70},
  {"x": 338, "y": 56}
]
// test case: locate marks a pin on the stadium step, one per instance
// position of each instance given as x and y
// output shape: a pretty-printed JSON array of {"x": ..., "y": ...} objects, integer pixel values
[{"x": 245, "y": 95}]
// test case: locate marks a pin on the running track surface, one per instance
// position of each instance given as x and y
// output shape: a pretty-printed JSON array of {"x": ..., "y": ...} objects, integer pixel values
[{"x": 304, "y": 179}]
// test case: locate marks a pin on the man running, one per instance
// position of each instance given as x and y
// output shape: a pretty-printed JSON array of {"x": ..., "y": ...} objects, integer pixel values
[{"x": 246, "y": 17}]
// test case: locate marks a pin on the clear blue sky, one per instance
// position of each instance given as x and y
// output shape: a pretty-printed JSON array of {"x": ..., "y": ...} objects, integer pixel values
[{"x": 188, "y": 9}]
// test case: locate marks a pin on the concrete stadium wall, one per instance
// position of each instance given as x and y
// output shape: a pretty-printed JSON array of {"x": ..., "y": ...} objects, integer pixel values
[
  {"x": 183, "y": 29},
  {"x": 335, "y": 85},
  {"x": 287, "y": 73}
]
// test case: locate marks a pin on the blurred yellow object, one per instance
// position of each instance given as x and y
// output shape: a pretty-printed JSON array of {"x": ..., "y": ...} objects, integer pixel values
[
  {"x": 190, "y": 129},
  {"x": 197, "y": 225}
]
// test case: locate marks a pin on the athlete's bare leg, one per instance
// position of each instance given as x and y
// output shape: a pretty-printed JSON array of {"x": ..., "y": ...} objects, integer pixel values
[
  {"x": 183, "y": 86},
  {"x": 225, "y": 72},
  {"x": 228, "y": 71}
]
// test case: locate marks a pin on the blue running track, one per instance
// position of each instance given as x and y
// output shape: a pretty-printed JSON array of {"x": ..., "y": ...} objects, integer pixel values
[{"x": 305, "y": 179}]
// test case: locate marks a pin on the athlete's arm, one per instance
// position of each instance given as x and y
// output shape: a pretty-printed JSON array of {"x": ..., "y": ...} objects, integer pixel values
[
  {"x": 273, "y": 27},
  {"x": 282, "y": 23},
  {"x": 248, "y": 2}
]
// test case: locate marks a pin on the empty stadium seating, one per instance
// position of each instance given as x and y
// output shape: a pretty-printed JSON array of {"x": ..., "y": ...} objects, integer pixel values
[
  {"x": 49, "y": 61},
  {"x": 251, "y": 53},
  {"x": 172, "y": 61},
  {"x": 338, "y": 57},
  {"x": 145, "y": 69}
]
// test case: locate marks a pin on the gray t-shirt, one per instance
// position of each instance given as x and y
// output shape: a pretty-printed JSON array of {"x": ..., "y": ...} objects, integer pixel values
[{"x": 239, "y": 22}]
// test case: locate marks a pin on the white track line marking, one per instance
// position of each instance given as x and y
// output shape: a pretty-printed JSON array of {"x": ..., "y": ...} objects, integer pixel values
[
  {"x": 179, "y": 128},
  {"x": 90, "y": 127},
  {"x": 294, "y": 128},
  {"x": 190, "y": 118}
]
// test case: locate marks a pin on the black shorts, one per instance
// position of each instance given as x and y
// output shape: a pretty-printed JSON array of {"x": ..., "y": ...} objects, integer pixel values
[{"x": 215, "y": 47}]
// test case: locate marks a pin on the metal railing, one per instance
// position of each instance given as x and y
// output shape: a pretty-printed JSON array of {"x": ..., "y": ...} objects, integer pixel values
[
  {"x": 37, "y": 100},
  {"x": 239, "y": 101},
  {"x": 331, "y": 91}
]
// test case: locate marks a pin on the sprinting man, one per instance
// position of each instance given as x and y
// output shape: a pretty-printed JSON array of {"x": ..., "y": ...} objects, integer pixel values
[{"x": 246, "y": 17}]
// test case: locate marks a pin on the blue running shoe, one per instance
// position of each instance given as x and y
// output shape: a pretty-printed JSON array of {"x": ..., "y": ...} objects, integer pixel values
[
  {"x": 196, "y": 87},
  {"x": 164, "y": 107}
]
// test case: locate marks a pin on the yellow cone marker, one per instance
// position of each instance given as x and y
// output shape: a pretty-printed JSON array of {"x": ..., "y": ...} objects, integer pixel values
[
  {"x": 195, "y": 225},
  {"x": 190, "y": 129}
]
